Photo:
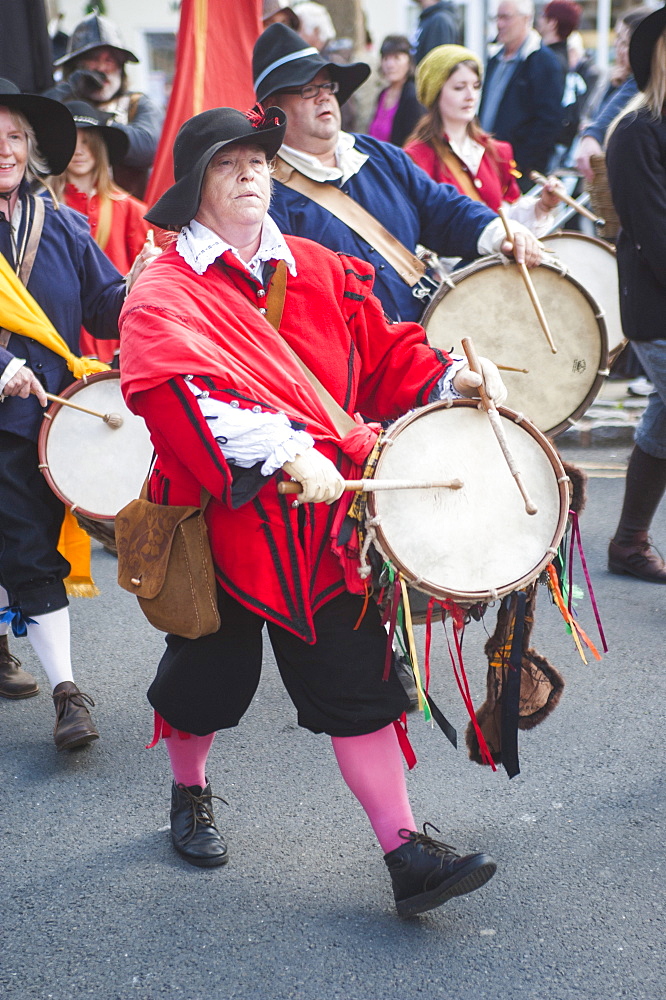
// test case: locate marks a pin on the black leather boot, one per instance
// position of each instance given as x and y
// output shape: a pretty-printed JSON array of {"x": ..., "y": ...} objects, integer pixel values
[
  {"x": 426, "y": 873},
  {"x": 193, "y": 830},
  {"x": 14, "y": 682},
  {"x": 74, "y": 726}
]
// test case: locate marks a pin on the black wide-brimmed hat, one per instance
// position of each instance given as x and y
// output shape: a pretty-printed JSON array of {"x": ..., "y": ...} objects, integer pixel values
[
  {"x": 281, "y": 58},
  {"x": 197, "y": 142},
  {"x": 53, "y": 124},
  {"x": 115, "y": 140},
  {"x": 91, "y": 33},
  {"x": 642, "y": 44}
]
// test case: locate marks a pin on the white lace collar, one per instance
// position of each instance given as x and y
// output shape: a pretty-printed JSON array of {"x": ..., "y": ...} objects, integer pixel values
[{"x": 199, "y": 247}]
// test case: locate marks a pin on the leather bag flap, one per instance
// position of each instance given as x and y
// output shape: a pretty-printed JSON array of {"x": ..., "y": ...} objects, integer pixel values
[{"x": 144, "y": 535}]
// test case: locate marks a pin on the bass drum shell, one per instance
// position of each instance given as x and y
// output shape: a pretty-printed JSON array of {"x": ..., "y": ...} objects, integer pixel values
[
  {"x": 93, "y": 468},
  {"x": 488, "y": 302},
  {"x": 593, "y": 262},
  {"x": 477, "y": 543}
]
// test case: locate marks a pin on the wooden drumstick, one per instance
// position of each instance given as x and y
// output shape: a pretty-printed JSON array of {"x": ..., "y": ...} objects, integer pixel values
[
  {"x": 374, "y": 485},
  {"x": 568, "y": 200},
  {"x": 496, "y": 424},
  {"x": 114, "y": 420},
  {"x": 529, "y": 284},
  {"x": 508, "y": 368}
]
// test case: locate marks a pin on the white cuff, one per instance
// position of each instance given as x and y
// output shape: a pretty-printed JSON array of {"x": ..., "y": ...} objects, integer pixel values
[
  {"x": 445, "y": 388},
  {"x": 246, "y": 436},
  {"x": 10, "y": 371},
  {"x": 524, "y": 211}
]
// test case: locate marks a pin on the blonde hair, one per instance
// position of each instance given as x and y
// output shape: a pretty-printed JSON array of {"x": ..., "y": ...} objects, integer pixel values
[
  {"x": 653, "y": 98},
  {"x": 102, "y": 176}
]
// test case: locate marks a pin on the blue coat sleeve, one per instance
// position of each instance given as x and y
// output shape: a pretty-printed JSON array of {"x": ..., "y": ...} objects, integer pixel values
[{"x": 598, "y": 128}]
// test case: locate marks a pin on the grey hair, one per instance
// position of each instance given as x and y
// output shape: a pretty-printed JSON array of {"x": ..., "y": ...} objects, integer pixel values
[
  {"x": 37, "y": 168},
  {"x": 315, "y": 16},
  {"x": 524, "y": 7}
]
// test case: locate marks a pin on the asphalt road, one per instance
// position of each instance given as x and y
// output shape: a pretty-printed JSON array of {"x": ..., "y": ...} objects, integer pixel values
[{"x": 94, "y": 903}]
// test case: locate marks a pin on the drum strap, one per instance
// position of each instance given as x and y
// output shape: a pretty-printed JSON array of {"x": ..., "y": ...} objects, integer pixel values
[
  {"x": 462, "y": 178},
  {"x": 344, "y": 208},
  {"x": 274, "y": 309},
  {"x": 30, "y": 252}
]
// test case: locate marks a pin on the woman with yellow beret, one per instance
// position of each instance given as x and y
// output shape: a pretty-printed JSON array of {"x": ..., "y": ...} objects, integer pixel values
[{"x": 452, "y": 148}]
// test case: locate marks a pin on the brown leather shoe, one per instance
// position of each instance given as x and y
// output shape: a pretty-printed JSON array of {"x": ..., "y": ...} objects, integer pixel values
[
  {"x": 639, "y": 559},
  {"x": 74, "y": 727},
  {"x": 14, "y": 682}
]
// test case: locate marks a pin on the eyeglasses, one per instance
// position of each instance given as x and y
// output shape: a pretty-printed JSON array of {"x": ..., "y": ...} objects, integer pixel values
[{"x": 312, "y": 89}]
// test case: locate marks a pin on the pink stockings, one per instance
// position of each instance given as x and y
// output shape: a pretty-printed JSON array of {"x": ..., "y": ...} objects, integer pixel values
[
  {"x": 188, "y": 758},
  {"x": 371, "y": 766},
  {"x": 373, "y": 769}
]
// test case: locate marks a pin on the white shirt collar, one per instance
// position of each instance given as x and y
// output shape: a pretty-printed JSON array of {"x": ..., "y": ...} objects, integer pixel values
[
  {"x": 348, "y": 160},
  {"x": 199, "y": 247},
  {"x": 470, "y": 152}
]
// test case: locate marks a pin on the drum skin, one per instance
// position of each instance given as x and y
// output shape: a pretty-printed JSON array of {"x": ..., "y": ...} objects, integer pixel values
[
  {"x": 93, "y": 468},
  {"x": 489, "y": 302},
  {"x": 476, "y": 543},
  {"x": 593, "y": 263}
]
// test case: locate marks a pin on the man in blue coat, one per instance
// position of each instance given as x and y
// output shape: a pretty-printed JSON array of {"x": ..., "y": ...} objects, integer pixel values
[
  {"x": 377, "y": 176},
  {"x": 522, "y": 93}
]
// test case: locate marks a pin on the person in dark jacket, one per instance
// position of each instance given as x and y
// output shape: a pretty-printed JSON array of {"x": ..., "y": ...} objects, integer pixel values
[
  {"x": 94, "y": 71},
  {"x": 636, "y": 163},
  {"x": 50, "y": 248},
  {"x": 438, "y": 25},
  {"x": 522, "y": 95},
  {"x": 398, "y": 110}
]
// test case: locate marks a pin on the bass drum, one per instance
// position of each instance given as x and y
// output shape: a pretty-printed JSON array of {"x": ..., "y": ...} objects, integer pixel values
[
  {"x": 95, "y": 469},
  {"x": 593, "y": 262},
  {"x": 488, "y": 301},
  {"x": 476, "y": 543}
]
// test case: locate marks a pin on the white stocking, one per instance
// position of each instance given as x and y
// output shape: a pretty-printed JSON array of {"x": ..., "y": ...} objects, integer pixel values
[{"x": 50, "y": 640}]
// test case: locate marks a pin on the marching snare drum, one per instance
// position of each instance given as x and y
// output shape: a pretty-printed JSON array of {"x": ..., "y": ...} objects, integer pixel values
[
  {"x": 593, "y": 263},
  {"x": 476, "y": 543},
  {"x": 93, "y": 468},
  {"x": 488, "y": 301}
]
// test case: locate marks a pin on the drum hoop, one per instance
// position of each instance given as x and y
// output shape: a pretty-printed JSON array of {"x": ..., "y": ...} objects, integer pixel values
[
  {"x": 484, "y": 263},
  {"x": 572, "y": 234},
  {"x": 44, "y": 430},
  {"x": 473, "y": 597}
]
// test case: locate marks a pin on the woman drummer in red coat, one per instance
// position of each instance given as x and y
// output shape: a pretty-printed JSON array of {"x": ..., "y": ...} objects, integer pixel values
[
  {"x": 452, "y": 148},
  {"x": 229, "y": 409}
]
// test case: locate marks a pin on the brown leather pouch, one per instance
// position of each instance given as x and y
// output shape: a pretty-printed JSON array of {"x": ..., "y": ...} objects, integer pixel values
[{"x": 164, "y": 558}]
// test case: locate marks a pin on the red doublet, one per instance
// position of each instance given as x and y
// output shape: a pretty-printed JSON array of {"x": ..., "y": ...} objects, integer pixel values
[
  {"x": 495, "y": 179},
  {"x": 274, "y": 559}
]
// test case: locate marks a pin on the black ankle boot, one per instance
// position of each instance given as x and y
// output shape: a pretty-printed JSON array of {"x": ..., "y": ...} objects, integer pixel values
[
  {"x": 193, "y": 830},
  {"x": 426, "y": 873}
]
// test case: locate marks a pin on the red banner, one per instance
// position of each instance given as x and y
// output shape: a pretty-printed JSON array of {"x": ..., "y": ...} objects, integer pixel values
[{"x": 213, "y": 70}]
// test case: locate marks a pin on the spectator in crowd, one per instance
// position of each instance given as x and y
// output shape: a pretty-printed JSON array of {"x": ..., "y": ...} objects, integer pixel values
[
  {"x": 522, "y": 95},
  {"x": 279, "y": 11},
  {"x": 556, "y": 22},
  {"x": 397, "y": 110},
  {"x": 317, "y": 28},
  {"x": 619, "y": 89},
  {"x": 582, "y": 61},
  {"x": 94, "y": 72},
  {"x": 636, "y": 158},
  {"x": 438, "y": 25}
]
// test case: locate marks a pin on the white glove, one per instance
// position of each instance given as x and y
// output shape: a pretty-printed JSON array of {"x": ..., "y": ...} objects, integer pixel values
[
  {"x": 466, "y": 381},
  {"x": 319, "y": 478}
]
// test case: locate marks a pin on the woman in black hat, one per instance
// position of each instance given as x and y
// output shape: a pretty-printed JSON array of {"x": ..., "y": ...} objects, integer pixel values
[
  {"x": 51, "y": 250},
  {"x": 398, "y": 110},
  {"x": 211, "y": 338},
  {"x": 636, "y": 160},
  {"x": 115, "y": 217}
]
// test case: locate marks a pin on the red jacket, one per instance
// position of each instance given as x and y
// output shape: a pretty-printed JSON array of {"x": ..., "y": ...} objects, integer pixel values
[
  {"x": 495, "y": 180},
  {"x": 126, "y": 239},
  {"x": 274, "y": 559}
]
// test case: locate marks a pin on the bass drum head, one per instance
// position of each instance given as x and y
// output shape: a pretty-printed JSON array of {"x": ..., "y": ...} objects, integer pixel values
[
  {"x": 489, "y": 302},
  {"x": 593, "y": 263},
  {"x": 89, "y": 465},
  {"x": 476, "y": 543}
]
